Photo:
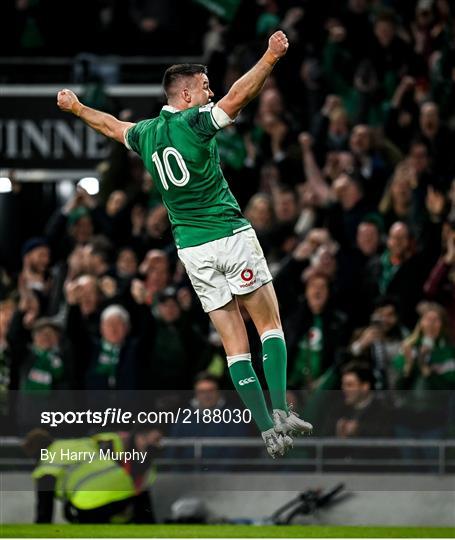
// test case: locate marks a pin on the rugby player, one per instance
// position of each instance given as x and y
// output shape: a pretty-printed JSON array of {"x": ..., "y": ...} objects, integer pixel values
[{"x": 215, "y": 242}]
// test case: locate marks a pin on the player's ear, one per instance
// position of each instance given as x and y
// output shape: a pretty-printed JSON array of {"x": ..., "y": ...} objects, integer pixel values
[{"x": 186, "y": 95}]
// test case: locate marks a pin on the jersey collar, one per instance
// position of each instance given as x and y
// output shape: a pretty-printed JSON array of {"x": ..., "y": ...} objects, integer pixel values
[{"x": 170, "y": 108}]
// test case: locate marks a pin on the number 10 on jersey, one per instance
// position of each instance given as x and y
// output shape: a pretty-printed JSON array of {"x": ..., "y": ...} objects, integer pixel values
[{"x": 166, "y": 173}]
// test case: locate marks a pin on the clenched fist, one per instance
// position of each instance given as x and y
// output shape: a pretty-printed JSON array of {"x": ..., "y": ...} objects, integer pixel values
[
  {"x": 68, "y": 102},
  {"x": 278, "y": 44}
]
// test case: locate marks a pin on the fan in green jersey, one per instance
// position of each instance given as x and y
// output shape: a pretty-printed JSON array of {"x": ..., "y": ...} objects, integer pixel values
[{"x": 215, "y": 242}]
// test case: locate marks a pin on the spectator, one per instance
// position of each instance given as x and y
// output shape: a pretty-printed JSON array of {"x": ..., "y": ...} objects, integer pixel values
[
  {"x": 85, "y": 293},
  {"x": 351, "y": 268},
  {"x": 35, "y": 274},
  {"x": 361, "y": 413},
  {"x": 289, "y": 281},
  {"x": 426, "y": 370},
  {"x": 379, "y": 343},
  {"x": 126, "y": 268},
  {"x": 344, "y": 216},
  {"x": 331, "y": 129},
  {"x": 260, "y": 212},
  {"x": 71, "y": 225},
  {"x": 396, "y": 203},
  {"x": 97, "y": 255},
  {"x": 153, "y": 232},
  {"x": 369, "y": 162},
  {"x": 389, "y": 53},
  {"x": 399, "y": 271},
  {"x": 175, "y": 350},
  {"x": 19, "y": 334},
  {"x": 440, "y": 285},
  {"x": 85, "y": 303},
  {"x": 114, "y": 363},
  {"x": 315, "y": 333},
  {"x": 369, "y": 237},
  {"x": 437, "y": 138},
  {"x": 156, "y": 269},
  {"x": 208, "y": 399},
  {"x": 40, "y": 365},
  {"x": 43, "y": 368},
  {"x": 314, "y": 175},
  {"x": 401, "y": 118},
  {"x": 113, "y": 217}
]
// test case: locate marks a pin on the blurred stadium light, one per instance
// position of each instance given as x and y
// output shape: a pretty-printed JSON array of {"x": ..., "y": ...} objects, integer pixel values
[
  {"x": 5, "y": 185},
  {"x": 90, "y": 184}
]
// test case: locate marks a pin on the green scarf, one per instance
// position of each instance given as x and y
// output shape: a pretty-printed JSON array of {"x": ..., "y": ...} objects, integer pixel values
[
  {"x": 108, "y": 360},
  {"x": 308, "y": 364},
  {"x": 47, "y": 369},
  {"x": 388, "y": 271}
]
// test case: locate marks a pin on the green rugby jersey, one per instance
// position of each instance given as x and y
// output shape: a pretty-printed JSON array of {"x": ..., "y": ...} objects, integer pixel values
[{"x": 179, "y": 150}]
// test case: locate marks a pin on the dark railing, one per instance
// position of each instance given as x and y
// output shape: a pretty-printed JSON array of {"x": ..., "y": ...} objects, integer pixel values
[{"x": 320, "y": 457}]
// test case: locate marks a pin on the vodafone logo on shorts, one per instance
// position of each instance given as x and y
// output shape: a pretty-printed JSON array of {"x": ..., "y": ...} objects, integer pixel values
[{"x": 247, "y": 276}]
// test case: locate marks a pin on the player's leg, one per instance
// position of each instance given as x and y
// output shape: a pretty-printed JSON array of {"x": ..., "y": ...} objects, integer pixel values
[
  {"x": 250, "y": 280},
  {"x": 262, "y": 305},
  {"x": 204, "y": 265},
  {"x": 231, "y": 328}
]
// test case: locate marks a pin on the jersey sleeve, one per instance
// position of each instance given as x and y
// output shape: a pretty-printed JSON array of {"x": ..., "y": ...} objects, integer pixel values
[
  {"x": 133, "y": 135},
  {"x": 207, "y": 120}
]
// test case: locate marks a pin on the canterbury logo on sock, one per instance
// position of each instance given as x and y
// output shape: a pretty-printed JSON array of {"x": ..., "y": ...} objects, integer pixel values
[
  {"x": 246, "y": 381},
  {"x": 264, "y": 358}
]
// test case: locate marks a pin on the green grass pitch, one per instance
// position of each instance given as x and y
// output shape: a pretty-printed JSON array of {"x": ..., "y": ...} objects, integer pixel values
[{"x": 219, "y": 531}]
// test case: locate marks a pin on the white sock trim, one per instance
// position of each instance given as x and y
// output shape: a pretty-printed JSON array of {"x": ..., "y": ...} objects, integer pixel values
[
  {"x": 246, "y": 357},
  {"x": 275, "y": 333}
]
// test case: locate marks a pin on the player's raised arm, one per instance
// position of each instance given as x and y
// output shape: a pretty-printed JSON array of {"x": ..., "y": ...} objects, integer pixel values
[
  {"x": 249, "y": 85},
  {"x": 102, "y": 122}
]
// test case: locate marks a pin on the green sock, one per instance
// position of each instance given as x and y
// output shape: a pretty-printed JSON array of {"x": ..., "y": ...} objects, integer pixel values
[
  {"x": 274, "y": 356},
  {"x": 249, "y": 389}
]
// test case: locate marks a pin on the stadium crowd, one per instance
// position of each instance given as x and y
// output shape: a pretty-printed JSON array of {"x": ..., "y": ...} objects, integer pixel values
[{"x": 345, "y": 168}]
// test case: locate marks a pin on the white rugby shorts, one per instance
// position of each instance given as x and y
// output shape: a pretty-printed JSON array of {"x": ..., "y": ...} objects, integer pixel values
[{"x": 219, "y": 269}]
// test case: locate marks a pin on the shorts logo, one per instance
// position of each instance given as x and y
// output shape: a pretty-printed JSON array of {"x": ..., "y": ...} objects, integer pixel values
[
  {"x": 247, "y": 274},
  {"x": 246, "y": 381}
]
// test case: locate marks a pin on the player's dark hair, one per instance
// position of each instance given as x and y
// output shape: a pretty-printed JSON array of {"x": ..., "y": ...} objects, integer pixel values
[{"x": 177, "y": 71}]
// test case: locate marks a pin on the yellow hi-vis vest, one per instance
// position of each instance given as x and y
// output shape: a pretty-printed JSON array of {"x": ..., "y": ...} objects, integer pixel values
[
  {"x": 91, "y": 485},
  {"x": 115, "y": 441},
  {"x": 111, "y": 439},
  {"x": 62, "y": 460}
]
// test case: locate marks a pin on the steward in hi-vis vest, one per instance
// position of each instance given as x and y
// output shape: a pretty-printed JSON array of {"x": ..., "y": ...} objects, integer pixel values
[{"x": 99, "y": 479}]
